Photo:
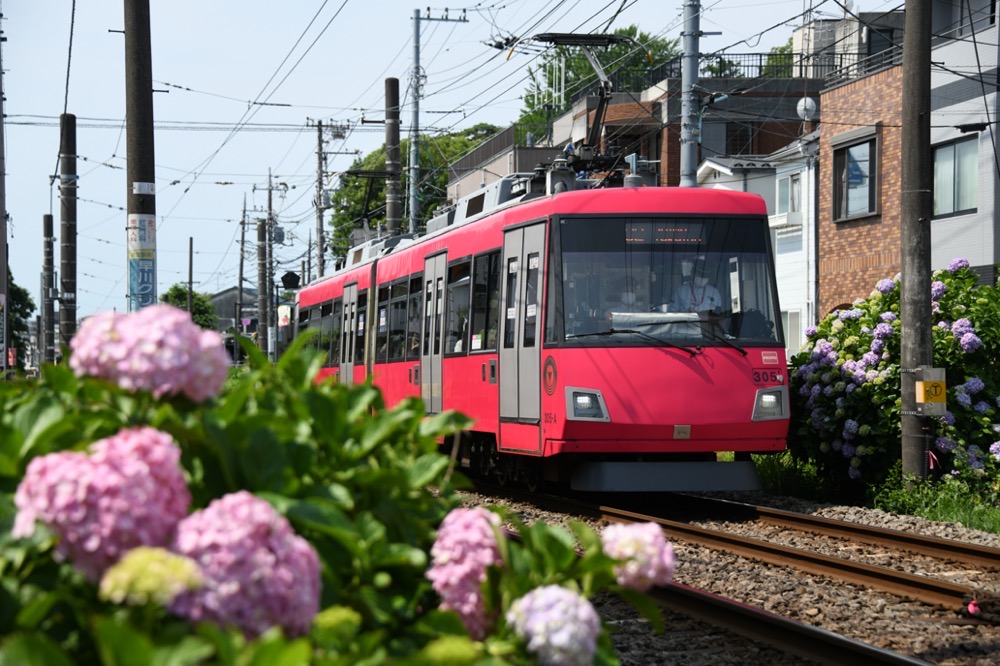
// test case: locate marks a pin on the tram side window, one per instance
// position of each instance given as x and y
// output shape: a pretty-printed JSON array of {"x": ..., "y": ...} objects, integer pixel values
[
  {"x": 304, "y": 323},
  {"x": 532, "y": 288},
  {"x": 485, "y": 302},
  {"x": 326, "y": 325},
  {"x": 382, "y": 326},
  {"x": 360, "y": 332},
  {"x": 333, "y": 348},
  {"x": 397, "y": 321},
  {"x": 457, "y": 315},
  {"x": 510, "y": 304},
  {"x": 347, "y": 337},
  {"x": 413, "y": 318}
]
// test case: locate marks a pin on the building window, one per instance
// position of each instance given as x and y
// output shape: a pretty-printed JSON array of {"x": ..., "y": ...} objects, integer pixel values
[
  {"x": 855, "y": 180},
  {"x": 789, "y": 194},
  {"x": 739, "y": 139},
  {"x": 793, "y": 332},
  {"x": 955, "y": 177}
]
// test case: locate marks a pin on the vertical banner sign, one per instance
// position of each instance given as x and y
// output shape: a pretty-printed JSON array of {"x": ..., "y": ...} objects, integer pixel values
[{"x": 141, "y": 261}]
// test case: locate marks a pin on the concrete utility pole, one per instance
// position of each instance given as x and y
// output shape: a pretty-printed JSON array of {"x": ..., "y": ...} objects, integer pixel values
[
  {"x": 191, "y": 276},
  {"x": 415, "y": 84},
  {"x": 140, "y": 169},
  {"x": 915, "y": 231},
  {"x": 48, "y": 291},
  {"x": 4, "y": 282},
  {"x": 262, "y": 299},
  {"x": 320, "y": 170},
  {"x": 239, "y": 284},
  {"x": 689, "y": 97},
  {"x": 67, "y": 231},
  {"x": 393, "y": 202}
]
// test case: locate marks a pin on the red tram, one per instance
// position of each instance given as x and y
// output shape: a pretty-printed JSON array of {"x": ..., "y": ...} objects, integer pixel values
[{"x": 610, "y": 338}]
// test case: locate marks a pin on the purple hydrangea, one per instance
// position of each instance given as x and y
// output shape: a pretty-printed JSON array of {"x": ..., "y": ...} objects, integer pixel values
[
  {"x": 948, "y": 419},
  {"x": 963, "y": 399},
  {"x": 884, "y": 330},
  {"x": 970, "y": 342},
  {"x": 850, "y": 428},
  {"x": 465, "y": 547},
  {"x": 878, "y": 345},
  {"x": 995, "y": 450},
  {"x": 810, "y": 331},
  {"x": 961, "y": 327},
  {"x": 257, "y": 572},
  {"x": 848, "y": 450},
  {"x": 957, "y": 264},
  {"x": 885, "y": 286},
  {"x": 974, "y": 385},
  {"x": 649, "y": 558},
  {"x": 157, "y": 349},
  {"x": 854, "y": 313},
  {"x": 982, "y": 407},
  {"x": 888, "y": 317},
  {"x": 853, "y": 473},
  {"x": 944, "y": 445},
  {"x": 558, "y": 626},
  {"x": 130, "y": 492},
  {"x": 937, "y": 289},
  {"x": 869, "y": 359}
]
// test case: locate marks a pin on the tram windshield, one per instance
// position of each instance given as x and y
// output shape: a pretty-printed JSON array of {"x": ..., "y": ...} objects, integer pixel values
[{"x": 650, "y": 280}]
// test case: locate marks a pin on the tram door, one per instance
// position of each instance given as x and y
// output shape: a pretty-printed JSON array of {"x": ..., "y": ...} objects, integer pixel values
[
  {"x": 349, "y": 333},
  {"x": 435, "y": 271},
  {"x": 520, "y": 342}
]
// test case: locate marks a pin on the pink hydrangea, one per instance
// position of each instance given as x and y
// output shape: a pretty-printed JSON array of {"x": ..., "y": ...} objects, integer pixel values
[
  {"x": 157, "y": 349},
  {"x": 558, "y": 625},
  {"x": 648, "y": 557},
  {"x": 257, "y": 573},
  {"x": 465, "y": 548},
  {"x": 130, "y": 492}
]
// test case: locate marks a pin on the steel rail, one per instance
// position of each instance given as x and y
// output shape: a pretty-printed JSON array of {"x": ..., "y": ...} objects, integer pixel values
[
  {"x": 917, "y": 588},
  {"x": 788, "y": 635}
]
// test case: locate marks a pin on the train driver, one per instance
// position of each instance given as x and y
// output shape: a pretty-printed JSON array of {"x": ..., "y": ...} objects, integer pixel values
[{"x": 696, "y": 294}]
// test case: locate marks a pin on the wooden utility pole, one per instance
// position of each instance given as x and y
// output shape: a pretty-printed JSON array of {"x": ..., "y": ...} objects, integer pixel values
[
  {"x": 320, "y": 207},
  {"x": 915, "y": 231}
]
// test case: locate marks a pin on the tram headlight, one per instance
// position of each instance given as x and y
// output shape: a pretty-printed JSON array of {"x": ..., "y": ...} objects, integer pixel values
[
  {"x": 585, "y": 405},
  {"x": 770, "y": 404}
]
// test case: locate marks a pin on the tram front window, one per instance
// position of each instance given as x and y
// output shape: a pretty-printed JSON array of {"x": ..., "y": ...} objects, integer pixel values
[{"x": 684, "y": 280}]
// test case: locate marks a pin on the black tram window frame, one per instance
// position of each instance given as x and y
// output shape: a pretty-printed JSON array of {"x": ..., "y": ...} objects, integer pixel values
[
  {"x": 485, "y": 302},
  {"x": 398, "y": 292},
  {"x": 360, "y": 328},
  {"x": 414, "y": 316},
  {"x": 456, "y": 334},
  {"x": 336, "y": 317},
  {"x": 381, "y": 323}
]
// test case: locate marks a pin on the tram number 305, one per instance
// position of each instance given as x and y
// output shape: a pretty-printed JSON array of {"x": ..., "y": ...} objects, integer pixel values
[{"x": 766, "y": 376}]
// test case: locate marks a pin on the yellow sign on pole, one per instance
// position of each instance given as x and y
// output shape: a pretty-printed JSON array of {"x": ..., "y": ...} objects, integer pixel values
[{"x": 931, "y": 391}]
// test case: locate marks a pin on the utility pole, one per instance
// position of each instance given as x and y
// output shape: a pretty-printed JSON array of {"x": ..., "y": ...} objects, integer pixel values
[
  {"x": 689, "y": 97},
  {"x": 140, "y": 169},
  {"x": 67, "y": 230},
  {"x": 4, "y": 282},
  {"x": 191, "y": 276},
  {"x": 393, "y": 203},
  {"x": 48, "y": 291},
  {"x": 416, "y": 83},
  {"x": 320, "y": 245},
  {"x": 239, "y": 284},
  {"x": 915, "y": 232},
  {"x": 262, "y": 298}
]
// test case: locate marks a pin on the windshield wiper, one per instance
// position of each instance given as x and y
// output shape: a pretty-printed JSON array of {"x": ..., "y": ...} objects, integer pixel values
[
  {"x": 614, "y": 331},
  {"x": 721, "y": 338}
]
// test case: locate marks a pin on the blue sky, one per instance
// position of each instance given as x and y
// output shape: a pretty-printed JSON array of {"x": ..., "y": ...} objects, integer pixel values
[{"x": 212, "y": 59}]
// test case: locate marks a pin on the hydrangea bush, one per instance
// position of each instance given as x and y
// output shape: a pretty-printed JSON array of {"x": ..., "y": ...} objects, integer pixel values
[
  {"x": 846, "y": 383},
  {"x": 149, "y": 518}
]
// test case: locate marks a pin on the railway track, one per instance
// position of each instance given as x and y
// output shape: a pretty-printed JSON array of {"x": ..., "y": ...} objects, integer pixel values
[{"x": 790, "y": 635}]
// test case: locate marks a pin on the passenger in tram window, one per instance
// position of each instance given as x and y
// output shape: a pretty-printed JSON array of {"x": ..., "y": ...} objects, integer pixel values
[{"x": 697, "y": 294}]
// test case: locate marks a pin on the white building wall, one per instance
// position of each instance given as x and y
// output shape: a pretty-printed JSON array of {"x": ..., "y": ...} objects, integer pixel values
[{"x": 957, "y": 100}]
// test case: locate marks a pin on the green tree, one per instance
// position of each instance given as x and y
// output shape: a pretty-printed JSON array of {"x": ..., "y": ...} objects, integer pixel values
[
  {"x": 20, "y": 312},
  {"x": 780, "y": 61},
  {"x": 723, "y": 68},
  {"x": 202, "y": 310},
  {"x": 360, "y": 201},
  {"x": 625, "y": 62}
]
